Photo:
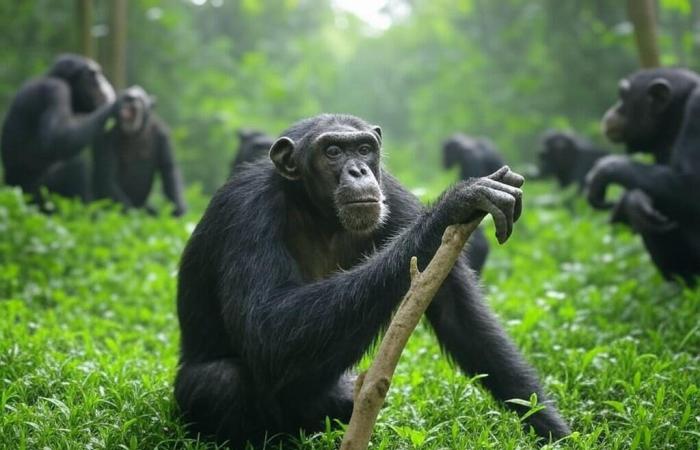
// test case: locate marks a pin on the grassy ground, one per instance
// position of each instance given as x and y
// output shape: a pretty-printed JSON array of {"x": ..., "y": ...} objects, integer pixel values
[{"x": 88, "y": 338}]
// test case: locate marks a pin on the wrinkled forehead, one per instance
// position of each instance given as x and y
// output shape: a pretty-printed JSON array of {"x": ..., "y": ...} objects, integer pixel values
[{"x": 345, "y": 136}]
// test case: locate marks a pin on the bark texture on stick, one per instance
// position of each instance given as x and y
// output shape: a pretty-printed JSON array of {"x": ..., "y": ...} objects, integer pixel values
[
  {"x": 643, "y": 17},
  {"x": 371, "y": 387}
]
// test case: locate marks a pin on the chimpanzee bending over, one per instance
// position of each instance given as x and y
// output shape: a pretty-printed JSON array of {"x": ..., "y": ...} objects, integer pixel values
[
  {"x": 476, "y": 157},
  {"x": 567, "y": 157},
  {"x": 253, "y": 145},
  {"x": 297, "y": 265},
  {"x": 128, "y": 156},
  {"x": 658, "y": 112},
  {"x": 49, "y": 122}
]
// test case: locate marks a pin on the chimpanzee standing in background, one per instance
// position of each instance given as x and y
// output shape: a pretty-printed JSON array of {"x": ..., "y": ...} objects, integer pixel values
[
  {"x": 658, "y": 112},
  {"x": 567, "y": 157},
  {"x": 128, "y": 156},
  {"x": 49, "y": 122},
  {"x": 476, "y": 157},
  {"x": 299, "y": 262},
  {"x": 253, "y": 144}
]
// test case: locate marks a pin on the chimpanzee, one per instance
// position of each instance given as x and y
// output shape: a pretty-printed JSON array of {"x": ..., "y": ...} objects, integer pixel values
[
  {"x": 657, "y": 113},
  {"x": 50, "y": 121},
  {"x": 296, "y": 266},
  {"x": 253, "y": 144},
  {"x": 128, "y": 156},
  {"x": 567, "y": 157},
  {"x": 476, "y": 157}
]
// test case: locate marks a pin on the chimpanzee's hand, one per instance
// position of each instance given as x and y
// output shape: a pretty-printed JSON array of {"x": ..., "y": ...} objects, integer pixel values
[
  {"x": 497, "y": 194},
  {"x": 600, "y": 176},
  {"x": 637, "y": 210}
]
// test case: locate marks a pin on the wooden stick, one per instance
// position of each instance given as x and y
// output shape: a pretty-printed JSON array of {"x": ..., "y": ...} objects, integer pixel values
[{"x": 372, "y": 386}]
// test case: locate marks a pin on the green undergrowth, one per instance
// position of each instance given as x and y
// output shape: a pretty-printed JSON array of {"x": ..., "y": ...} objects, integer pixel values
[{"x": 88, "y": 336}]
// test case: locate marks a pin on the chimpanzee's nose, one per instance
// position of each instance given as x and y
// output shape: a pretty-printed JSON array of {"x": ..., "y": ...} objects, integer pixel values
[{"x": 356, "y": 169}]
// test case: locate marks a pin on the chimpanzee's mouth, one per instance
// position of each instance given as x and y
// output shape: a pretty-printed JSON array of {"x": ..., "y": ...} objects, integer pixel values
[
  {"x": 362, "y": 202},
  {"x": 127, "y": 113}
]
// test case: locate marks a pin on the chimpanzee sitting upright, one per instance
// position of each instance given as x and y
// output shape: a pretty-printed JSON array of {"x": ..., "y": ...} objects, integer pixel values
[
  {"x": 253, "y": 145},
  {"x": 50, "y": 121},
  {"x": 659, "y": 113},
  {"x": 476, "y": 157},
  {"x": 128, "y": 156},
  {"x": 567, "y": 157},
  {"x": 295, "y": 268}
]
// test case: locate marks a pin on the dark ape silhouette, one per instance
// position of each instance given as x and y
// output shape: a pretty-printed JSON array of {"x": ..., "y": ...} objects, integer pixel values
[
  {"x": 49, "y": 122},
  {"x": 567, "y": 157},
  {"x": 658, "y": 113},
  {"x": 296, "y": 266},
  {"x": 253, "y": 144},
  {"x": 128, "y": 156}
]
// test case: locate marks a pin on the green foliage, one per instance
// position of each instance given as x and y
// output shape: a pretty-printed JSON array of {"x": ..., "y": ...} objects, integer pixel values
[
  {"x": 88, "y": 336},
  {"x": 505, "y": 69}
]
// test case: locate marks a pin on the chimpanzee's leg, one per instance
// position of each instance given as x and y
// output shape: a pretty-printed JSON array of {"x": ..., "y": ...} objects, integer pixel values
[
  {"x": 69, "y": 179},
  {"x": 470, "y": 333},
  {"x": 217, "y": 399}
]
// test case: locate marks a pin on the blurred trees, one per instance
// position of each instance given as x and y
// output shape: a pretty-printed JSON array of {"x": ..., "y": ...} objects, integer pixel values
[{"x": 506, "y": 69}]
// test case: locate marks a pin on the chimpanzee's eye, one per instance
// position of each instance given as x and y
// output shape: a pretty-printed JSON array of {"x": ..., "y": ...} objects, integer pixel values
[
  {"x": 365, "y": 149},
  {"x": 333, "y": 151}
]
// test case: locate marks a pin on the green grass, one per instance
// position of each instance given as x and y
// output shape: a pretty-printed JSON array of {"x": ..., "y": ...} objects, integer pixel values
[{"x": 88, "y": 337}]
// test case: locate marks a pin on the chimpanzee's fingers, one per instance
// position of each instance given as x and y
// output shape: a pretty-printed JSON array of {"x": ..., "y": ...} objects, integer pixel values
[
  {"x": 498, "y": 175},
  {"x": 501, "y": 206},
  {"x": 511, "y": 190},
  {"x": 507, "y": 176}
]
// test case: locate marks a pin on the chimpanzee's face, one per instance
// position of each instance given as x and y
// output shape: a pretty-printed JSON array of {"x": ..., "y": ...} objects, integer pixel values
[
  {"x": 339, "y": 167},
  {"x": 132, "y": 113},
  {"x": 636, "y": 117},
  {"x": 557, "y": 150}
]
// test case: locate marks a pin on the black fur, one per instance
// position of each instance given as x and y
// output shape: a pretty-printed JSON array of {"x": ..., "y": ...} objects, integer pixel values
[
  {"x": 476, "y": 157},
  {"x": 126, "y": 161},
  {"x": 49, "y": 122},
  {"x": 658, "y": 113},
  {"x": 253, "y": 144},
  {"x": 567, "y": 157},
  {"x": 277, "y": 302}
]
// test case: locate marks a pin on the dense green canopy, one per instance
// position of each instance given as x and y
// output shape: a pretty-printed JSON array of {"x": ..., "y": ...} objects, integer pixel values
[{"x": 506, "y": 69}]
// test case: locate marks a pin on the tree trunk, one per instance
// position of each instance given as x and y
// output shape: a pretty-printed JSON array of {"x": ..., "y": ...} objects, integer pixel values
[
  {"x": 117, "y": 33},
  {"x": 86, "y": 45},
  {"x": 643, "y": 17}
]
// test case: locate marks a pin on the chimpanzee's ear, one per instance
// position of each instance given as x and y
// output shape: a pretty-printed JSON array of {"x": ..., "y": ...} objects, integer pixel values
[
  {"x": 660, "y": 92},
  {"x": 378, "y": 131},
  {"x": 282, "y": 154}
]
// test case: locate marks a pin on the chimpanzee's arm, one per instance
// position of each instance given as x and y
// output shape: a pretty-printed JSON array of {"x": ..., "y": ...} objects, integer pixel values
[
  {"x": 62, "y": 133},
  {"x": 672, "y": 186},
  {"x": 309, "y": 333},
  {"x": 172, "y": 182},
  {"x": 105, "y": 180},
  {"x": 668, "y": 187}
]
